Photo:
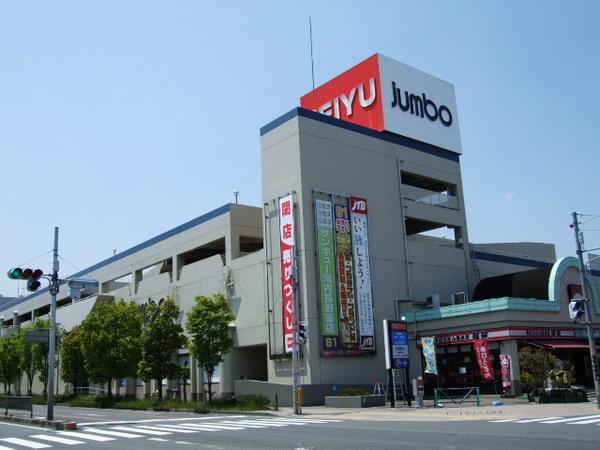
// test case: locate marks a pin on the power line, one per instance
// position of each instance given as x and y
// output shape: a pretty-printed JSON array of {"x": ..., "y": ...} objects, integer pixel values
[
  {"x": 70, "y": 263},
  {"x": 36, "y": 258}
]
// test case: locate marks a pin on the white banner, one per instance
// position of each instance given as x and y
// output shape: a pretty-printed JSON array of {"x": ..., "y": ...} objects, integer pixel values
[{"x": 362, "y": 272}]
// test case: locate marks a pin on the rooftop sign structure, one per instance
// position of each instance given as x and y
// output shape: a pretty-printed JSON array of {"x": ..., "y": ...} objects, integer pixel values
[{"x": 386, "y": 95}]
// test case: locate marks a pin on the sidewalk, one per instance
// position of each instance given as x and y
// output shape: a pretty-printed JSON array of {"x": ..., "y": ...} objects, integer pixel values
[{"x": 512, "y": 409}]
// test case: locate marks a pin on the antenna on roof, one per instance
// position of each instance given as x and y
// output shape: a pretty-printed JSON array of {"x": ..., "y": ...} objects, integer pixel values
[
  {"x": 236, "y": 193},
  {"x": 312, "y": 62}
]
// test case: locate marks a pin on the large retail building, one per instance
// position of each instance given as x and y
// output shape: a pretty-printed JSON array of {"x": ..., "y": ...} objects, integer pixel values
[{"x": 354, "y": 182}]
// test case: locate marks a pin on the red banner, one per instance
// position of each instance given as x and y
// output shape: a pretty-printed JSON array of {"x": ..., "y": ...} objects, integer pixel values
[
  {"x": 505, "y": 367},
  {"x": 482, "y": 351},
  {"x": 286, "y": 233}
]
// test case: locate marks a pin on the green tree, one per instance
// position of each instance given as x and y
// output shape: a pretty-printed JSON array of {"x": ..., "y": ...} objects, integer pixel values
[
  {"x": 9, "y": 354},
  {"x": 208, "y": 326},
  {"x": 536, "y": 363},
  {"x": 33, "y": 358},
  {"x": 110, "y": 342},
  {"x": 161, "y": 338},
  {"x": 72, "y": 367}
]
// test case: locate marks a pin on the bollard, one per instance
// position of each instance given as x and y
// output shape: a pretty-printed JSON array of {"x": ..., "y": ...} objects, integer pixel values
[{"x": 276, "y": 402}]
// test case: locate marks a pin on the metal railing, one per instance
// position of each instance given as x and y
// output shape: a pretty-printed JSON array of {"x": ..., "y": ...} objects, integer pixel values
[
  {"x": 22, "y": 403},
  {"x": 91, "y": 391},
  {"x": 428, "y": 197},
  {"x": 458, "y": 398}
]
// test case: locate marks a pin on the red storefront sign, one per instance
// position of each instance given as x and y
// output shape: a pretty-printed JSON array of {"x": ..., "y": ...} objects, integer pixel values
[
  {"x": 383, "y": 94},
  {"x": 287, "y": 244},
  {"x": 482, "y": 351}
]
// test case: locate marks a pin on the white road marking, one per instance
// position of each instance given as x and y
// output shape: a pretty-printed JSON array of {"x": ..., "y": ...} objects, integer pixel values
[
  {"x": 201, "y": 426},
  {"x": 584, "y": 422},
  {"x": 571, "y": 419},
  {"x": 141, "y": 430},
  {"x": 263, "y": 423},
  {"x": 181, "y": 419},
  {"x": 112, "y": 433},
  {"x": 247, "y": 424},
  {"x": 171, "y": 428},
  {"x": 57, "y": 439},
  {"x": 158, "y": 439},
  {"x": 503, "y": 420},
  {"x": 2, "y": 447},
  {"x": 195, "y": 430},
  {"x": 538, "y": 420},
  {"x": 91, "y": 437},
  {"x": 25, "y": 443}
]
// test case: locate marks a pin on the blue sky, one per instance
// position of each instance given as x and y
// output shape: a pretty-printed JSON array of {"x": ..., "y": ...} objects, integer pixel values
[{"x": 122, "y": 119}]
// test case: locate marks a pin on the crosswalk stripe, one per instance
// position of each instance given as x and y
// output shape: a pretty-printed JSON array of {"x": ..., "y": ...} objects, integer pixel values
[
  {"x": 246, "y": 424},
  {"x": 140, "y": 430},
  {"x": 584, "y": 422},
  {"x": 2, "y": 447},
  {"x": 538, "y": 420},
  {"x": 503, "y": 420},
  {"x": 277, "y": 423},
  {"x": 264, "y": 424},
  {"x": 57, "y": 439},
  {"x": 186, "y": 427},
  {"x": 222, "y": 427},
  {"x": 91, "y": 437},
  {"x": 158, "y": 439},
  {"x": 171, "y": 428},
  {"x": 304, "y": 420},
  {"x": 112, "y": 433},
  {"x": 571, "y": 419},
  {"x": 25, "y": 443}
]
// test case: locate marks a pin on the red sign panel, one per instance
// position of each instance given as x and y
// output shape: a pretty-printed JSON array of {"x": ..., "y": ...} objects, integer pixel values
[
  {"x": 354, "y": 96},
  {"x": 287, "y": 238}
]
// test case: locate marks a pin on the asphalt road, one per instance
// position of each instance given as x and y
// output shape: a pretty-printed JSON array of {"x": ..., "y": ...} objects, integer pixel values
[{"x": 150, "y": 430}]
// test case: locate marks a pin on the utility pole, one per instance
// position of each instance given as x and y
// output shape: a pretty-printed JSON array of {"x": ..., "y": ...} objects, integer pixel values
[
  {"x": 296, "y": 350},
  {"x": 54, "y": 286},
  {"x": 588, "y": 311}
]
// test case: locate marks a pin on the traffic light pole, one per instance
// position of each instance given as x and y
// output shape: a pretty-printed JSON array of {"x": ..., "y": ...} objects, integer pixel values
[
  {"x": 54, "y": 285},
  {"x": 588, "y": 313}
]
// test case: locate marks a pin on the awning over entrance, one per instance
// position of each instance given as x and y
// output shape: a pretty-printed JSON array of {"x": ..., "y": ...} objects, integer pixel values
[{"x": 560, "y": 344}]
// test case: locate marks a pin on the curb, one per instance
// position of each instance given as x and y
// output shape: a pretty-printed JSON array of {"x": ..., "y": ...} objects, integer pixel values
[{"x": 42, "y": 423}]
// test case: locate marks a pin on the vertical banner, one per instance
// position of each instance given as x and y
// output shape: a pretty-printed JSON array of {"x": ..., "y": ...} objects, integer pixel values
[
  {"x": 482, "y": 351},
  {"x": 287, "y": 244},
  {"x": 505, "y": 368},
  {"x": 429, "y": 355},
  {"x": 327, "y": 277},
  {"x": 362, "y": 271},
  {"x": 343, "y": 243}
]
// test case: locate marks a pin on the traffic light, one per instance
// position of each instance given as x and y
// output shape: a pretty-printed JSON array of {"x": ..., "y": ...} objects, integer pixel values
[
  {"x": 15, "y": 273},
  {"x": 302, "y": 332},
  {"x": 32, "y": 277},
  {"x": 576, "y": 308},
  {"x": 33, "y": 281}
]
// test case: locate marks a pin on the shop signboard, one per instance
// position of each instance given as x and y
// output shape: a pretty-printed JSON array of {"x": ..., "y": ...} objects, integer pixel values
[
  {"x": 429, "y": 355},
  {"x": 362, "y": 271},
  {"x": 327, "y": 276},
  {"x": 287, "y": 246},
  {"x": 383, "y": 94},
  {"x": 343, "y": 243},
  {"x": 396, "y": 344},
  {"x": 482, "y": 351}
]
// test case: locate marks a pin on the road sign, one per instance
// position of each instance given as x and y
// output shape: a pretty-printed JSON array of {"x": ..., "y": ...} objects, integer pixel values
[
  {"x": 41, "y": 336},
  {"x": 396, "y": 344}
]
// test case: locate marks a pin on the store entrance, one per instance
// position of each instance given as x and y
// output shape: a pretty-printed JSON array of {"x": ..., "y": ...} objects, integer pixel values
[{"x": 457, "y": 367}]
